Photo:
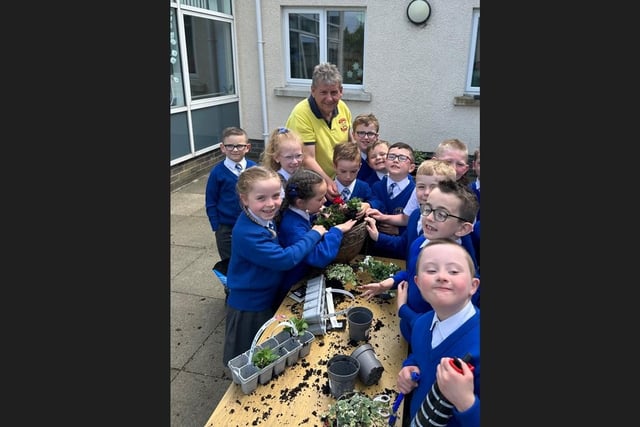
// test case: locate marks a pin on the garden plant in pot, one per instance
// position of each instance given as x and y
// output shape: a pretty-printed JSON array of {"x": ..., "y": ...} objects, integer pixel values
[
  {"x": 338, "y": 212},
  {"x": 305, "y": 337},
  {"x": 357, "y": 410}
]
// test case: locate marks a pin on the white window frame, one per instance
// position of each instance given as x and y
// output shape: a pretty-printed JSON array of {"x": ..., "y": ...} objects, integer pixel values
[
  {"x": 475, "y": 40},
  {"x": 323, "y": 41}
]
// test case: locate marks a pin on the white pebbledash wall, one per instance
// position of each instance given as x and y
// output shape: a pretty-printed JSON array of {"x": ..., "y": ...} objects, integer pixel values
[{"x": 413, "y": 73}]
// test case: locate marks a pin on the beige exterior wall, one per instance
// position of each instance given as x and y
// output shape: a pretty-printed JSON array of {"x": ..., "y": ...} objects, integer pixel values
[{"x": 413, "y": 73}]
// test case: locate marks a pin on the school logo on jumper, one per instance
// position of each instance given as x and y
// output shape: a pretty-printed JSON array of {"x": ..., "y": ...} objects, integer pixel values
[{"x": 343, "y": 124}]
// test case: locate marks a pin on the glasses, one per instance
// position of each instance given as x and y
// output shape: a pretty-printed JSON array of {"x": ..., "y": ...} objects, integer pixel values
[
  {"x": 293, "y": 157},
  {"x": 439, "y": 215},
  {"x": 400, "y": 157},
  {"x": 362, "y": 134},
  {"x": 232, "y": 147}
]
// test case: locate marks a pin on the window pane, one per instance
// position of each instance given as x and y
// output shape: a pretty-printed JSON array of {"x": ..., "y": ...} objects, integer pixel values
[
  {"x": 473, "y": 67},
  {"x": 223, "y": 6},
  {"x": 335, "y": 36},
  {"x": 208, "y": 123},
  {"x": 209, "y": 57},
  {"x": 475, "y": 80},
  {"x": 345, "y": 44},
  {"x": 176, "y": 97},
  {"x": 304, "y": 38}
]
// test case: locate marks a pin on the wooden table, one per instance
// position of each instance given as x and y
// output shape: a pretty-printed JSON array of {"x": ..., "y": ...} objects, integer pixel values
[{"x": 300, "y": 395}]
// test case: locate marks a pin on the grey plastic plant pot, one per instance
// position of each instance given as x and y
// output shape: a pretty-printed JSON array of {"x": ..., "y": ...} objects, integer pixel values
[
  {"x": 342, "y": 371},
  {"x": 306, "y": 338},
  {"x": 293, "y": 348},
  {"x": 370, "y": 367}
]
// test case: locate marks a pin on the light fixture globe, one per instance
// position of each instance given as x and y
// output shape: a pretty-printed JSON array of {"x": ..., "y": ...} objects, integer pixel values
[{"x": 418, "y": 11}]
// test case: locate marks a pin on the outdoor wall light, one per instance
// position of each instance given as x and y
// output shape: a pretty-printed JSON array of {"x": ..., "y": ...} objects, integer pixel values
[{"x": 418, "y": 11}]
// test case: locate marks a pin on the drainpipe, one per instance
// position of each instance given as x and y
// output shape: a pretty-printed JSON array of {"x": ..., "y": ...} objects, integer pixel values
[{"x": 263, "y": 90}]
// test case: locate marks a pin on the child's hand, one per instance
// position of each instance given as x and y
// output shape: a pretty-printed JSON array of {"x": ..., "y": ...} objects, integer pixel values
[
  {"x": 402, "y": 296},
  {"x": 364, "y": 206},
  {"x": 371, "y": 228},
  {"x": 405, "y": 382},
  {"x": 320, "y": 229},
  {"x": 388, "y": 229},
  {"x": 374, "y": 213},
  {"x": 346, "y": 226},
  {"x": 373, "y": 289},
  {"x": 455, "y": 386}
]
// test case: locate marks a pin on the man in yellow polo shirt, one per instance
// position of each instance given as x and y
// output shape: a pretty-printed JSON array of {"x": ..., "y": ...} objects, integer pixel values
[{"x": 322, "y": 120}]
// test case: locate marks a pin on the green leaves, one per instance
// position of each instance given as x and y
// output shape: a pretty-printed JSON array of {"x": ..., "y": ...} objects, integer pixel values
[
  {"x": 339, "y": 212},
  {"x": 378, "y": 269},
  {"x": 263, "y": 357}
]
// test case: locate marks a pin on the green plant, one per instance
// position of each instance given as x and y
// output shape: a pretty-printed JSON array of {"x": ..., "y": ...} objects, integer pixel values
[
  {"x": 378, "y": 269},
  {"x": 341, "y": 272},
  {"x": 300, "y": 324},
  {"x": 263, "y": 357},
  {"x": 357, "y": 410},
  {"x": 339, "y": 212}
]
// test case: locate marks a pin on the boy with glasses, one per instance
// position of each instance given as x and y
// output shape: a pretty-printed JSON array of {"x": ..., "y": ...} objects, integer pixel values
[
  {"x": 221, "y": 200},
  {"x": 428, "y": 174},
  {"x": 365, "y": 130},
  {"x": 393, "y": 190},
  {"x": 448, "y": 213}
]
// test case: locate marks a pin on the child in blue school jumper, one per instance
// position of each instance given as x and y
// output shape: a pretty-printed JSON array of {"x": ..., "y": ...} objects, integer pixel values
[
  {"x": 445, "y": 277},
  {"x": 364, "y": 130},
  {"x": 258, "y": 262},
  {"x": 221, "y": 200},
  {"x": 447, "y": 214},
  {"x": 377, "y": 160},
  {"x": 347, "y": 162},
  {"x": 475, "y": 187},
  {"x": 393, "y": 192},
  {"x": 304, "y": 198},
  {"x": 428, "y": 174}
]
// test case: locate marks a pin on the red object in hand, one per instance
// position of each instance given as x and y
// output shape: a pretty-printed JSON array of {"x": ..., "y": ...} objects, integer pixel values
[{"x": 455, "y": 364}]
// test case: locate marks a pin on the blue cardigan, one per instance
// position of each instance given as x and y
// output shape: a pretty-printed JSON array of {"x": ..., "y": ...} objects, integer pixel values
[
  {"x": 388, "y": 206},
  {"x": 465, "y": 339},
  {"x": 294, "y": 227},
  {"x": 258, "y": 264},
  {"x": 221, "y": 200},
  {"x": 398, "y": 246},
  {"x": 365, "y": 171}
]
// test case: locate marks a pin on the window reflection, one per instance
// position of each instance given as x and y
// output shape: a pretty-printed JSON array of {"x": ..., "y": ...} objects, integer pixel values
[
  {"x": 176, "y": 96},
  {"x": 210, "y": 57},
  {"x": 344, "y": 43}
]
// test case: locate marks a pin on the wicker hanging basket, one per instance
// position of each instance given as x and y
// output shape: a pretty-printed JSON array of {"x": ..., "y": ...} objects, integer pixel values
[{"x": 352, "y": 242}]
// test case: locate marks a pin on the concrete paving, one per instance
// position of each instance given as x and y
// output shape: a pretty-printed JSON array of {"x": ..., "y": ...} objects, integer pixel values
[{"x": 197, "y": 311}]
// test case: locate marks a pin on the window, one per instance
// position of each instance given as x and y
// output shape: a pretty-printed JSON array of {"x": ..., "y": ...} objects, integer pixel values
[
  {"x": 209, "y": 57},
  {"x": 473, "y": 72},
  {"x": 176, "y": 96},
  {"x": 322, "y": 35}
]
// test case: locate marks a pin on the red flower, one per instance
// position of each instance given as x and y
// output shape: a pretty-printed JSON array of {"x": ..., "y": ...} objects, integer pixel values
[{"x": 338, "y": 201}]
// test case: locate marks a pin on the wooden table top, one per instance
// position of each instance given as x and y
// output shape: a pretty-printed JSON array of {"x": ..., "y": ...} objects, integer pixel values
[{"x": 300, "y": 395}]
